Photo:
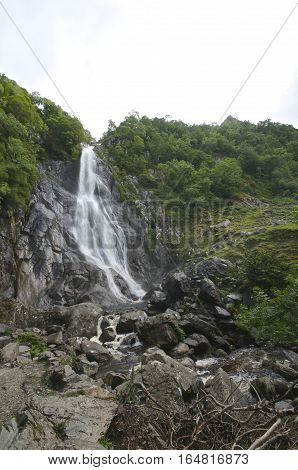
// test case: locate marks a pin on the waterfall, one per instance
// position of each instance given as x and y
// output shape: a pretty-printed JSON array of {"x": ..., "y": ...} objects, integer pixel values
[{"x": 99, "y": 236}]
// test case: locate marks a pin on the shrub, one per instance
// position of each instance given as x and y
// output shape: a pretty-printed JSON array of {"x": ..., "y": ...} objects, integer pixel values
[
  {"x": 37, "y": 344},
  {"x": 60, "y": 430},
  {"x": 264, "y": 269},
  {"x": 272, "y": 321}
]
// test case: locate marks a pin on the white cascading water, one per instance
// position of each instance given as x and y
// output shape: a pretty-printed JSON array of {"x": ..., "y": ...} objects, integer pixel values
[{"x": 98, "y": 234}]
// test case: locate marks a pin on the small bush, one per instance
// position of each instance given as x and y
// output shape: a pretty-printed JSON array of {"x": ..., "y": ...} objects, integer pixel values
[
  {"x": 106, "y": 443},
  {"x": 60, "y": 430},
  {"x": 181, "y": 335},
  {"x": 272, "y": 321},
  {"x": 37, "y": 344},
  {"x": 264, "y": 269}
]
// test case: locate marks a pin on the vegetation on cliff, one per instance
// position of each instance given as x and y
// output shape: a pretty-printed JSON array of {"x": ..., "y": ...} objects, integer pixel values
[{"x": 32, "y": 129}]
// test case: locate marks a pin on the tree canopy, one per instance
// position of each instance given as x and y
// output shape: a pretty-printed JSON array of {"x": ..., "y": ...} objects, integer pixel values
[
  {"x": 31, "y": 129},
  {"x": 205, "y": 161}
]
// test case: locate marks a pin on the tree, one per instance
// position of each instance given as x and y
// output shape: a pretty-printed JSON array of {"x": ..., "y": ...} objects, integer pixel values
[{"x": 227, "y": 178}]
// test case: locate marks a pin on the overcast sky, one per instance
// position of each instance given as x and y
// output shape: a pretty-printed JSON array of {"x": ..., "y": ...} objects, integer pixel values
[{"x": 185, "y": 58}]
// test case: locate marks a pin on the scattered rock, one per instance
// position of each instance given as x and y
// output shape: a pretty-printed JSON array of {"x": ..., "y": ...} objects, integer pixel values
[
  {"x": 128, "y": 321},
  {"x": 95, "y": 352},
  {"x": 108, "y": 335},
  {"x": 198, "y": 343},
  {"x": 55, "y": 338},
  {"x": 10, "y": 352},
  {"x": 222, "y": 313},
  {"x": 176, "y": 286},
  {"x": 208, "y": 291},
  {"x": 158, "y": 331}
]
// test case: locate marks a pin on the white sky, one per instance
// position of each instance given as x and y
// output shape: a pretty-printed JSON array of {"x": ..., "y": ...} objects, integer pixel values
[{"x": 183, "y": 58}]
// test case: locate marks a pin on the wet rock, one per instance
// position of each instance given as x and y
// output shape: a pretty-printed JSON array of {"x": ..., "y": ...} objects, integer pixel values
[
  {"x": 199, "y": 344},
  {"x": 157, "y": 299},
  {"x": 176, "y": 286},
  {"x": 55, "y": 338},
  {"x": 105, "y": 322},
  {"x": 77, "y": 320},
  {"x": 95, "y": 352},
  {"x": 10, "y": 352},
  {"x": 108, "y": 335},
  {"x": 128, "y": 321},
  {"x": 209, "y": 292}
]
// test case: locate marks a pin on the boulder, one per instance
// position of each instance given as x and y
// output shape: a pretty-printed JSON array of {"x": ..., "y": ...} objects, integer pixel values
[
  {"x": 107, "y": 335},
  {"x": 169, "y": 382},
  {"x": 95, "y": 352},
  {"x": 83, "y": 365},
  {"x": 222, "y": 313},
  {"x": 202, "y": 327},
  {"x": 77, "y": 320},
  {"x": 114, "y": 379},
  {"x": 268, "y": 387},
  {"x": 227, "y": 392},
  {"x": 10, "y": 352},
  {"x": 85, "y": 419},
  {"x": 213, "y": 268},
  {"x": 158, "y": 331},
  {"x": 209, "y": 292},
  {"x": 157, "y": 299},
  {"x": 128, "y": 321},
  {"x": 176, "y": 286},
  {"x": 60, "y": 376},
  {"x": 55, "y": 338},
  {"x": 198, "y": 343},
  {"x": 179, "y": 351}
]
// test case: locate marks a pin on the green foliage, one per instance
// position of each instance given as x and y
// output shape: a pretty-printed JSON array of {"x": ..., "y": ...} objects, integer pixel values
[
  {"x": 272, "y": 321},
  {"x": 204, "y": 162},
  {"x": 106, "y": 443},
  {"x": 128, "y": 395},
  {"x": 60, "y": 430},
  {"x": 181, "y": 335},
  {"x": 31, "y": 128},
  {"x": 264, "y": 269},
  {"x": 37, "y": 345},
  {"x": 62, "y": 133}
]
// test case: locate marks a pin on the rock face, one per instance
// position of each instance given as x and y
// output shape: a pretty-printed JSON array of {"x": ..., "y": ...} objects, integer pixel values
[{"x": 40, "y": 263}]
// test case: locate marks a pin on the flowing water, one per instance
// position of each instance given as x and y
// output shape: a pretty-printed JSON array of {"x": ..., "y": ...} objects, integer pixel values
[{"x": 99, "y": 236}]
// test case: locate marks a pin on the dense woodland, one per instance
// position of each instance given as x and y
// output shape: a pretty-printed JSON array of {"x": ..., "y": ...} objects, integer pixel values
[{"x": 205, "y": 162}]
